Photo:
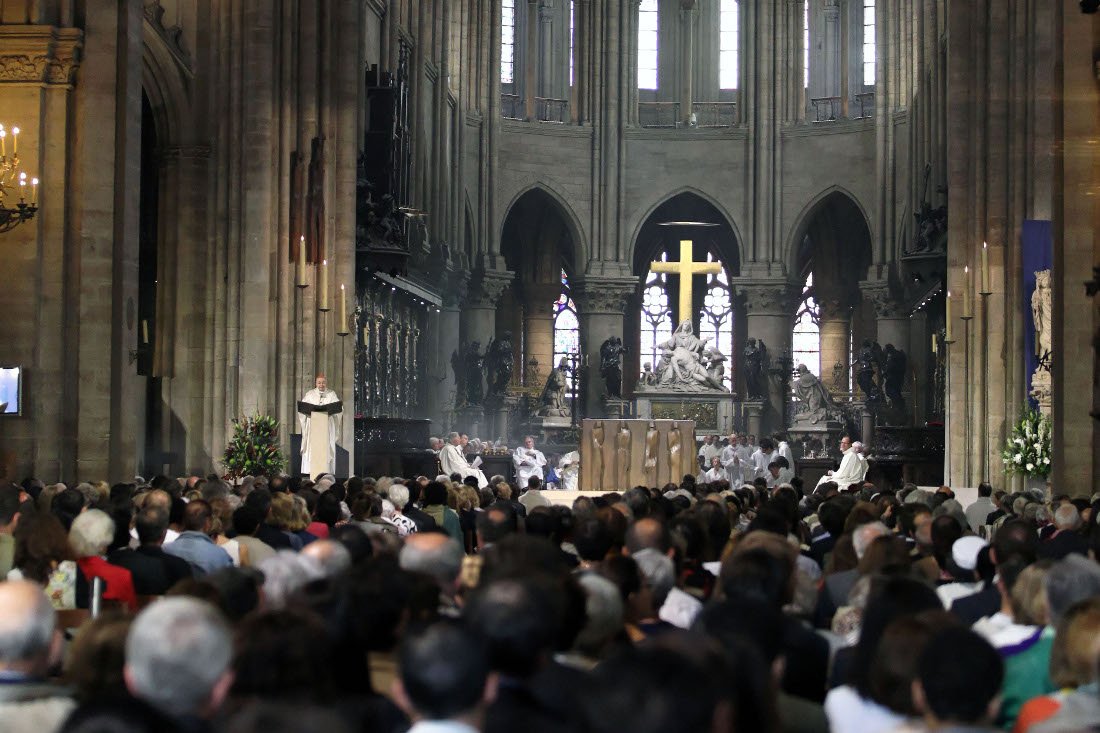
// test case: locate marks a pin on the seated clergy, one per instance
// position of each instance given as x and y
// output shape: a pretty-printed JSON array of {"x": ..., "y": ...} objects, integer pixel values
[{"x": 452, "y": 461}]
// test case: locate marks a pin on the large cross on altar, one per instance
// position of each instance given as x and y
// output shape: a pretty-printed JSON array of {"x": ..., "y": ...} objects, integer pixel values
[{"x": 686, "y": 268}]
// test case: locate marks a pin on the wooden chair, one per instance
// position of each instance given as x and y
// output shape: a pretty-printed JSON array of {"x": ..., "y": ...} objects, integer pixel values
[{"x": 70, "y": 619}]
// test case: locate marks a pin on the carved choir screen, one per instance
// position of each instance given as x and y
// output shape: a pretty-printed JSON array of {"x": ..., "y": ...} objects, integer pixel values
[
  {"x": 656, "y": 317},
  {"x": 716, "y": 315},
  {"x": 388, "y": 364},
  {"x": 806, "y": 336},
  {"x": 567, "y": 336}
]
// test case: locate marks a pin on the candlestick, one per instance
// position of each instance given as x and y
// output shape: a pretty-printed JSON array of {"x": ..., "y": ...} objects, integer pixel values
[
  {"x": 300, "y": 269},
  {"x": 966, "y": 294},
  {"x": 985, "y": 268},
  {"x": 342, "y": 313},
  {"x": 3, "y": 142},
  {"x": 935, "y": 344},
  {"x": 947, "y": 318},
  {"x": 34, "y": 192},
  {"x": 145, "y": 332},
  {"x": 14, "y": 141},
  {"x": 323, "y": 294}
]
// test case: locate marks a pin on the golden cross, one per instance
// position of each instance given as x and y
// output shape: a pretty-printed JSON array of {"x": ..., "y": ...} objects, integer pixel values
[{"x": 685, "y": 268}]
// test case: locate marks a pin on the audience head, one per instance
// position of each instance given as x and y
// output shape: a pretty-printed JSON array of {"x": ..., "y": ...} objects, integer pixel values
[
  {"x": 436, "y": 555},
  {"x": 444, "y": 675},
  {"x": 959, "y": 679},
  {"x": 177, "y": 657},
  {"x": 1068, "y": 581},
  {"x": 91, "y": 533},
  {"x": 151, "y": 525},
  {"x": 29, "y": 644}
]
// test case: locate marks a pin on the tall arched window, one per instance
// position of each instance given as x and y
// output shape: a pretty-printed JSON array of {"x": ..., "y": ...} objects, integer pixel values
[
  {"x": 727, "y": 45},
  {"x": 648, "y": 26},
  {"x": 806, "y": 338},
  {"x": 656, "y": 318},
  {"x": 508, "y": 42},
  {"x": 869, "y": 43},
  {"x": 716, "y": 315},
  {"x": 806, "y": 44},
  {"x": 567, "y": 335}
]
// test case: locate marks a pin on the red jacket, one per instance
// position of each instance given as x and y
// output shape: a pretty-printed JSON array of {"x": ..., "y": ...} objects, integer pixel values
[{"x": 120, "y": 584}]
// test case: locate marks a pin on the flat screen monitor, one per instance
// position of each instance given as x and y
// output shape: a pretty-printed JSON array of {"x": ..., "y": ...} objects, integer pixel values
[{"x": 11, "y": 390}]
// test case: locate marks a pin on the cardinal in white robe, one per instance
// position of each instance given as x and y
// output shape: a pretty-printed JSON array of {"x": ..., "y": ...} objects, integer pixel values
[
  {"x": 451, "y": 460},
  {"x": 529, "y": 461},
  {"x": 320, "y": 395},
  {"x": 853, "y": 467}
]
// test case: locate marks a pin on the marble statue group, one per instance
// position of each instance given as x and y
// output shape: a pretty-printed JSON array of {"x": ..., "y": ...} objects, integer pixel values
[{"x": 687, "y": 364}]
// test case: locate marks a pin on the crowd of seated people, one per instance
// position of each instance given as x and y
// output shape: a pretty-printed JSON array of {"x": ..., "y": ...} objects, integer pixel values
[{"x": 390, "y": 604}]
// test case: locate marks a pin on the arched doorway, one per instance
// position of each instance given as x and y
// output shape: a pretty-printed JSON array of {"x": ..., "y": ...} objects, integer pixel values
[
  {"x": 832, "y": 257},
  {"x": 713, "y": 309}
]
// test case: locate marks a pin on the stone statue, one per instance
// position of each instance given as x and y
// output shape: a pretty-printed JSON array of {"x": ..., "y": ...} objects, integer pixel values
[
  {"x": 652, "y": 437},
  {"x": 684, "y": 363},
  {"x": 315, "y": 202},
  {"x": 716, "y": 370},
  {"x": 473, "y": 362},
  {"x": 893, "y": 376},
  {"x": 814, "y": 398},
  {"x": 552, "y": 402},
  {"x": 649, "y": 377},
  {"x": 611, "y": 366},
  {"x": 596, "y": 453},
  {"x": 675, "y": 454},
  {"x": 756, "y": 368},
  {"x": 498, "y": 364},
  {"x": 1041, "y": 314},
  {"x": 622, "y": 455},
  {"x": 870, "y": 356},
  {"x": 459, "y": 369}
]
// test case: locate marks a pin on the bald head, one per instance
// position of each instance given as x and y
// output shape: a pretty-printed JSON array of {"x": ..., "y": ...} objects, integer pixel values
[
  {"x": 158, "y": 498},
  {"x": 27, "y": 639},
  {"x": 648, "y": 534},
  {"x": 332, "y": 556},
  {"x": 435, "y": 555}
]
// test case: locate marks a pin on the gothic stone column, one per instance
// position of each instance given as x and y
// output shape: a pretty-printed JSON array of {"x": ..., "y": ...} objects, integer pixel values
[
  {"x": 769, "y": 317},
  {"x": 538, "y": 324},
  {"x": 478, "y": 321},
  {"x": 836, "y": 330},
  {"x": 601, "y": 303},
  {"x": 891, "y": 316},
  {"x": 687, "y": 38}
]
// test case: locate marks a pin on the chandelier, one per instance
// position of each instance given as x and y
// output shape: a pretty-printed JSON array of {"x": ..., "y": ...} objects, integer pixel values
[{"x": 14, "y": 208}]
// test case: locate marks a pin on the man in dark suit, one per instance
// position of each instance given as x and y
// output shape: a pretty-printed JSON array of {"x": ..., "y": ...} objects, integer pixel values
[
  {"x": 154, "y": 571},
  {"x": 1015, "y": 540},
  {"x": 1067, "y": 538}
]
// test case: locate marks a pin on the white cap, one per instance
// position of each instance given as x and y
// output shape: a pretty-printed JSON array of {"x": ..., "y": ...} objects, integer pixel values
[{"x": 965, "y": 551}]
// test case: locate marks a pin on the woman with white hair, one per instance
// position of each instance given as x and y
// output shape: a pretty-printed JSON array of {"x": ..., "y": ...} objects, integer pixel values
[{"x": 90, "y": 536}]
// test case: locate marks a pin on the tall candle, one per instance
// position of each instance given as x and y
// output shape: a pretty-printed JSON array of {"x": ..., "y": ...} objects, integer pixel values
[
  {"x": 14, "y": 140},
  {"x": 947, "y": 318},
  {"x": 34, "y": 192},
  {"x": 145, "y": 332},
  {"x": 3, "y": 142},
  {"x": 935, "y": 344},
  {"x": 342, "y": 312},
  {"x": 985, "y": 267},
  {"x": 966, "y": 292},
  {"x": 300, "y": 269},
  {"x": 323, "y": 295}
]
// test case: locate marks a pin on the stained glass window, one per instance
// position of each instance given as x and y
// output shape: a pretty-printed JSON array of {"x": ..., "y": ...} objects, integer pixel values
[
  {"x": 806, "y": 338},
  {"x": 567, "y": 335},
  {"x": 508, "y": 42},
  {"x": 727, "y": 49},
  {"x": 647, "y": 44},
  {"x": 716, "y": 315},
  {"x": 656, "y": 318},
  {"x": 869, "y": 43}
]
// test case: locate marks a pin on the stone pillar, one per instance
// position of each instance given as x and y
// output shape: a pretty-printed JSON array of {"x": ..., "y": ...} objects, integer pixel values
[
  {"x": 836, "y": 331},
  {"x": 769, "y": 314},
  {"x": 546, "y": 71},
  {"x": 448, "y": 325},
  {"x": 832, "y": 46},
  {"x": 538, "y": 324},
  {"x": 891, "y": 316},
  {"x": 478, "y": 318},
  {"x": 687, "y": 46},
  {"x": 601, "y": 302},
  {"x": 530, "y": 60}
]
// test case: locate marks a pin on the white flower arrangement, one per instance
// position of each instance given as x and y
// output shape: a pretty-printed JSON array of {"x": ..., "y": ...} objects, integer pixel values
[{"x": 1027, "y": 451}]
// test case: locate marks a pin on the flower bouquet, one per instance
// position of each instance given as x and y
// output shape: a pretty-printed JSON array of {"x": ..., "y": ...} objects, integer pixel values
[{"x": 1027, "y": 451}]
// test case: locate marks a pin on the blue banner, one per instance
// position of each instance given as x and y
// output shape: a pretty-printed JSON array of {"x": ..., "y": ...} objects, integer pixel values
[{"x": 1037, "y": 243}]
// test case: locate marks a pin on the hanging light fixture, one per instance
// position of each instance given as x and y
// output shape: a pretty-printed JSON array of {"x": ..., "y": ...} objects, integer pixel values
[{"x": 14, "y": 206}]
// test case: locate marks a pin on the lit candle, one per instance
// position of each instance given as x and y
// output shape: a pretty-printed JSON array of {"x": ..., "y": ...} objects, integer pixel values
[
  {"x": 34, "y": 192},
  {"x": 300, "y": 270},
  {"x": 342, "y": 313},
  {"x": 22, "y": 187},
  {"x": 323, "y": 294},
  {"x": 14, "y": 141},
  {"x": 145, "y": 332},
  {"x": 947, "y": 318},
  {"x": 935, "y": 344},
  {"x": 966, "y": 292},
  {"x": 985, "y": 267},
  {"x": 3, "y": 142}
]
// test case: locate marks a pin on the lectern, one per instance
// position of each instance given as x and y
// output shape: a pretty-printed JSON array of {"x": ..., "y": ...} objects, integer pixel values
[{"x": 320, "y": 442}]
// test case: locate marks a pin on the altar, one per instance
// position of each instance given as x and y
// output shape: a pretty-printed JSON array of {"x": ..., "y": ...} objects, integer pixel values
[
  {"x": 712, "y": 412},
  {"x": 617, "y": 455}
]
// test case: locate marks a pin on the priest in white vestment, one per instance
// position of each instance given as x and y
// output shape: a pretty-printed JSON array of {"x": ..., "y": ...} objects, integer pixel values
[
  {"x": 744, "y": 456},
  {"x": 853, "y": 466},
  {"x": 715, "y": 473},
  {"x": 451, "y": 460},
  {"x": 731, "y": 461},
  {"x": 783, "y": 448},
  {"x": 529, "y": 461},
  {"x": 763, "y": 456},
  {"x": 319, "y": 395},
  {"x": 707, "y": 451},
  {"x": 569, "y": 469}
]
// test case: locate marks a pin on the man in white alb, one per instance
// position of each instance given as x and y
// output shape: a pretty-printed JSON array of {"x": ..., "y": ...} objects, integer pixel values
[
  {"x": 569, "y": 469},
  {"x": 715, "y": 472},
  {"x": 731, "y": 461},
  {"x": 320, "y": 395},
  {"x": 451, "y": 461},
  {"x": 708, "y": 450},
  {"x": 744, "y": 456},
  {"x": 763, "y": 456},
  {"x": 528, "y": 461},
  {"x": 853, "y": 466}
]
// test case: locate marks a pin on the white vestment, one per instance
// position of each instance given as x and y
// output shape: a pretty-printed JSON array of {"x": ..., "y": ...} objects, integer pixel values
[
  {"x": 569, "y": 469},
  {"x": 784, "y": 449},
  {"x": 732, "y": 463},
  {"x": 714, "y": 474},
  {"x": 853, "y": 467},
  {"x": 316, "y": 397},
  {"x": 744, "y": 455},
  {"x": 452, "y": 461},
  {"x": 528, "y": 463},
  {"x": 708, "y": 451},
  {"x": 760, "y": 461}
]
